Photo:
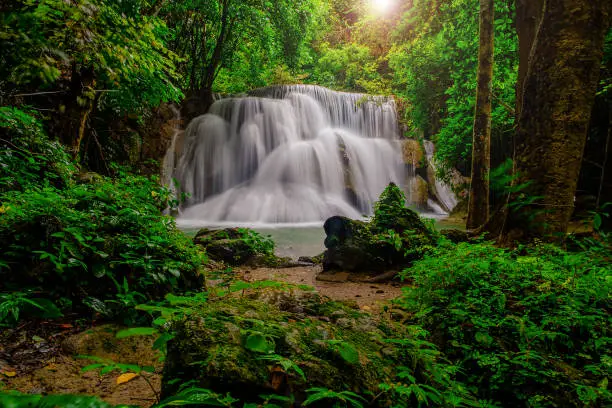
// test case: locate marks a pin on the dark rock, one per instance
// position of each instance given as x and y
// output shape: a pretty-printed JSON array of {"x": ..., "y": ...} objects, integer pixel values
[
  {"x": 226, "y": 245},
  {"x": 455, "y": 235},
  {"x": 359, "y": 246}
]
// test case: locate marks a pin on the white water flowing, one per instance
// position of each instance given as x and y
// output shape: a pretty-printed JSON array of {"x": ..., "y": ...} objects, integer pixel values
[
  {"x": 444, "y": 193},
  {"x": 291, "y": 154}
]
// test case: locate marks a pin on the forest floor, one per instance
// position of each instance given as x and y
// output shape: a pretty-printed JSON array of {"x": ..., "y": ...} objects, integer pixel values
[
  {"x": 340, "y": 286},
  {"x": 43, "y": 358}
]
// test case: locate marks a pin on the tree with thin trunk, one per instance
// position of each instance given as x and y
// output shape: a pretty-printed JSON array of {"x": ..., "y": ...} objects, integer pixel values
[
  {"x": 478, "y": 209},
  {"x": 557, "y": 98}
]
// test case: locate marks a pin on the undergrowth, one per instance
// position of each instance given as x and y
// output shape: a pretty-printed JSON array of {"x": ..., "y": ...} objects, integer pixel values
[{"x": 527, "y": 327}]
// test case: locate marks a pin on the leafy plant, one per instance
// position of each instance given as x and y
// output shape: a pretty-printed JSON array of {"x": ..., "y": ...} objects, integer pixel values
[
  {"x": 339, "y": 399},
  {"x": 16, "y": 304},
  {"x": 10, "y": 400},
  {"x": 536, "y": 315},
  {"x": 287, "y": 364},
  {"x": 85, "y": 240}
]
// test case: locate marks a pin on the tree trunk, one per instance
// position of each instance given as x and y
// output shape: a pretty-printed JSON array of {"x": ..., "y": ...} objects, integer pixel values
[
  {"x": 528, "y": 18},
  {"x": 478, "y": 209},
  {"x": 78, "y": 105},
  {"x": 558, "y": 96}
]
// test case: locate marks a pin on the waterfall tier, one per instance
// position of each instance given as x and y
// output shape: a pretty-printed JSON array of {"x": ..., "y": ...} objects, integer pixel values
[{"x": 289, "y": 154}]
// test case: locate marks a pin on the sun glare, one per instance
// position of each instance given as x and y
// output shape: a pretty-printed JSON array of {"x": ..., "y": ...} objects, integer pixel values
[{"x": 382, "y": 6}]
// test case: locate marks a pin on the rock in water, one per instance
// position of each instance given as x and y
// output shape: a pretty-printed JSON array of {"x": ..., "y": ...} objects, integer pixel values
[
  {"x": 395, "y": 237},
  {"x": 225, "y": 245}
]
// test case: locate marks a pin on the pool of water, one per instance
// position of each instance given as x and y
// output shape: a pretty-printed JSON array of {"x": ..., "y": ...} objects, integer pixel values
[{"x": 292, "y": 240}]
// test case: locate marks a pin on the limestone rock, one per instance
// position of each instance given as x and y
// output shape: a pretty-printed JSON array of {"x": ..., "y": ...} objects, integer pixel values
[
  {"x": 227, "y": 245},
  {"x": 419, "y": 192},
  {"x": 412, "y": 153}
]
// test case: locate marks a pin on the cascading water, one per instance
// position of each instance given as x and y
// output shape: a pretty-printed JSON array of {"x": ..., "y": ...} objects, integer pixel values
[
  {"x": 444, "y": 193},
  {"x": 290, "y": 154}
]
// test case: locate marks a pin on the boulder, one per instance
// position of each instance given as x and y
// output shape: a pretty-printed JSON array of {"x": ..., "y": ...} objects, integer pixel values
[
  {"x": 456, "y": 236},
  {"x": 239, "y": 344},
  {"x": 395, "y": 237},
  {"x": 239, "y": 246},
  {"x": 225, "y": 245}
]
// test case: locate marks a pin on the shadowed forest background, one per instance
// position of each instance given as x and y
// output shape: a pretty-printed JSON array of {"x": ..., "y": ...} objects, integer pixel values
[{"x": 445, "y": 167}]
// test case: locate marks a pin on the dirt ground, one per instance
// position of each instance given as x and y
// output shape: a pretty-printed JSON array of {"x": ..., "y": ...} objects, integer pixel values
[
  {"x": 336, "y": 286},
  {"x": 41, "y": 357}
]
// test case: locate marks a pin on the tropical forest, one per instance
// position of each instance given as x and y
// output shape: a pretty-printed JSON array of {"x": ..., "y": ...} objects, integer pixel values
[{"x": 305, "y": 203}]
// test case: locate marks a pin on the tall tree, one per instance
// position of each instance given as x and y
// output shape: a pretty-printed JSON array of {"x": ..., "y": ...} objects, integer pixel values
[
  {"x": 558, "y": 95},
  {"x": 478, "y": 208},
  {"x": 238, "y": 35},
  {"x": 528, "y": 18}
]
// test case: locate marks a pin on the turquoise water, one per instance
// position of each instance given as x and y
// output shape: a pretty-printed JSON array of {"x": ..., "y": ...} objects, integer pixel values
[{"x": 293, "y": 240}]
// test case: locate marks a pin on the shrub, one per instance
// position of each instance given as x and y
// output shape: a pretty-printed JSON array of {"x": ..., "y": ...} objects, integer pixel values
[
  {"x": 528, "y": 327},
  {"x": 28, "y": 159},
  {"x": 95, "y": 242}
]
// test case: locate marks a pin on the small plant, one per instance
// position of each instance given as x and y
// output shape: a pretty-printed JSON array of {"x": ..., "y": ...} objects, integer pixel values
[
  {"x": 189, "y": 395},
  {"x": 287, "y": 364},
  {"x": 342, "y": 399},
  {"x": 15, "y": 305},
  {"x": 15, "y": 399}
]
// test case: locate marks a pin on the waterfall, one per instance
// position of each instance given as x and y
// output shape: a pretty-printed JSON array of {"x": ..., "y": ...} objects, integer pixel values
[
  {"x": 444, "y": 193},
  {"x": 289, "y": 154}
]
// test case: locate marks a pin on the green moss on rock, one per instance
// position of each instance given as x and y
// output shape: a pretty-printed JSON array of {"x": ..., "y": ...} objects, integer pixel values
[{"x": 335, "y": 346}]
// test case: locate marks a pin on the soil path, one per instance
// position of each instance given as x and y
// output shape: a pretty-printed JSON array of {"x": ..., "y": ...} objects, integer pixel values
[{"x": 340, "y": 286}]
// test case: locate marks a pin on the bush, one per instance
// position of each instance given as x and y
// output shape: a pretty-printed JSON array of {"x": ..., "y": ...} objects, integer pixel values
[
  {"x": 528, "y": 327},
  {"x": 95, "y": 242},
  {"x": 28, "y": 159}
]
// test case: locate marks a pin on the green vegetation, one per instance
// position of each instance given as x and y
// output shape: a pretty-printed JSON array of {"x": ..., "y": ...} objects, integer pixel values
[
  {"x": 528, "y": 327},
  {"x": 505, "y": 319}
]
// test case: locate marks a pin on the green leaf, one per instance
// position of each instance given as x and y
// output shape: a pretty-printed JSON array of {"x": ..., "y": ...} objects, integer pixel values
[
  {"x": 259, "y": 343},
  {"x": 136, "y": 331}
]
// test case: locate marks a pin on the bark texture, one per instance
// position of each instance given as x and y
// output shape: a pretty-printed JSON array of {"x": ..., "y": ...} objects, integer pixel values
[
  {"x": 558, "y": 96},
  {"x": 528, "y": 18},
  {"x": 478, "y": 208}
]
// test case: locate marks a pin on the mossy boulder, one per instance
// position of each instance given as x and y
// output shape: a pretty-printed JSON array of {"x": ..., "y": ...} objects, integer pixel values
[
  {"x": 237, "y": 246},
  {"x": 395, "y": 237},
  {"x": 239, "y": 344}
]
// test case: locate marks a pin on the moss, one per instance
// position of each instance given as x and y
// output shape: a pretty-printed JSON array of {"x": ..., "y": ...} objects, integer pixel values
[{"x": 209, "y": 345}]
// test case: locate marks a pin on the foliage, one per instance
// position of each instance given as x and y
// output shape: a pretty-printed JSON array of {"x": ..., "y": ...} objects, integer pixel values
[
  {"x": 28, "y": 159},
  {"x": 390, "y": 207},
  {"x": 340, "y": 399},
  {"x": 349, "y": 67},
  {"x": 17, "y": 304},
  {"x": 15, "y": 400},
  {"x": 232, "y": 45},
  {"x": 525, "y": 326},
  {"x": 434, "y": 66},
  {"x": 45, "y": 42},
  {"x": 259, "y": 243},
  {"x": 104, "y": 241}
]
